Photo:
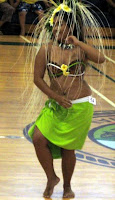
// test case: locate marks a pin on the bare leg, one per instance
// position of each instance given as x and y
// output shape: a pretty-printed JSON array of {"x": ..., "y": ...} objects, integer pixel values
[
  {"x": 1, "y": 23},
  {"x": 22, "y": 19},
  {"x": 40, "y": 14},
  {"x": 46, "y": 160},
  {"x": 68, "y": 164},
  {"x": 8, "y": 11}
]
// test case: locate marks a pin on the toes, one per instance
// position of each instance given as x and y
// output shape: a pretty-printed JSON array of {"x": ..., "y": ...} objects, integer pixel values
[
  {"x": 48, "y": 194},
  {"x": 68, "y": 194},
  {"x": 50, "y": 187}
]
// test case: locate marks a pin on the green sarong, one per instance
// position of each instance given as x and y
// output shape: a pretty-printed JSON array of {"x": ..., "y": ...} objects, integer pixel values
[{"x": 64, "y": 128}]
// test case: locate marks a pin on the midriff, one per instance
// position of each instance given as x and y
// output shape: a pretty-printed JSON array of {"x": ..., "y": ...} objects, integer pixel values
[{"x": 72, "y": 88}]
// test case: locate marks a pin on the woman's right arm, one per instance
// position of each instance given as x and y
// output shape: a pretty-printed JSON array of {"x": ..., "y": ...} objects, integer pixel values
[
  {"x": 112, "y": 3},
  {"x": 39, "y": 71},
  {"x": 14, "y": 3}
]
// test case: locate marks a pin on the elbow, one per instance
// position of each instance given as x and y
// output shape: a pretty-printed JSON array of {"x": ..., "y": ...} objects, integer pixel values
[
  {"x": 102, "y": 59},
  {"x": 37, "y": 81},
  {"x": 34, "y": 81}
]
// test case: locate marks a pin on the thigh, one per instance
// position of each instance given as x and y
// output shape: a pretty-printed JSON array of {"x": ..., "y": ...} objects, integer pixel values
[
  {"x": 40, "y": 14},
  {"x": 23, "y": 7},
  {"x": 5, "y": 7},
  {"x": 66, "y": 152},
  {"x": 36, "y": 7},
  {"x": 39, "y": 138}
]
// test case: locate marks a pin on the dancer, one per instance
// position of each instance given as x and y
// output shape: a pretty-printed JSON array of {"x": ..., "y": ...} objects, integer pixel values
[{"x": 64, "y": 122}]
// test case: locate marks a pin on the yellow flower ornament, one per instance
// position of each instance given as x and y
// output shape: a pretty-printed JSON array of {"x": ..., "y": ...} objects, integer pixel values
[
  {"x": 65, "y": 73},
  {"x": 64, "y": 69},
  {"x": 51, "y": 21},
  {"x": 63, "y": 7}
]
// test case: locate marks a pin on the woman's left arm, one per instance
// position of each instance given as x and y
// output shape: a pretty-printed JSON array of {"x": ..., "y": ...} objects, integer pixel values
[{"x": 91, "y": 53}]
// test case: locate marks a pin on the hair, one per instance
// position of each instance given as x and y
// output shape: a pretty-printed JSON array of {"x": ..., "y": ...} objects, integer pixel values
[{"x": 72, "y": 20}]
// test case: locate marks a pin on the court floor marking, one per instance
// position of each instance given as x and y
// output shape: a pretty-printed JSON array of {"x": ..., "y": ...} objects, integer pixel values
[
  {"x": 102, "y": 96},
  {"x": 24, "y": 38},
  {"x": 109, "y": 59},
  {"x": 100, "y": 72},
  {"x": 80, "y": 155},
  {"x": 94, "y": 90}
]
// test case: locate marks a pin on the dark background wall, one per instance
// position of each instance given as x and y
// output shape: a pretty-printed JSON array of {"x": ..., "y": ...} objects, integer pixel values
[{"x": 106, "y": 19}]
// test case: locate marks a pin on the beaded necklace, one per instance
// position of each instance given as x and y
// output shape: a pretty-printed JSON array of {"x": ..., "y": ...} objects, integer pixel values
[{"x": 66, "y": 46}]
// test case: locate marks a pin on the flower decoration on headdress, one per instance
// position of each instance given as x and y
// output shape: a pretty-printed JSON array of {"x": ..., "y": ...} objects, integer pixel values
[
  {"x": 63, "y": 7},
  {"x": 64, "y": 69}
]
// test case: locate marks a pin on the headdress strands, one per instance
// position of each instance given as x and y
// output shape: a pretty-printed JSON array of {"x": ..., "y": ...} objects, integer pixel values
[{"x": 63, "y": 6}]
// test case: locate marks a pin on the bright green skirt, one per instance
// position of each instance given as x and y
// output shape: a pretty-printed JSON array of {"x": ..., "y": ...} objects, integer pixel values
[{"x": 64, "y": 128}]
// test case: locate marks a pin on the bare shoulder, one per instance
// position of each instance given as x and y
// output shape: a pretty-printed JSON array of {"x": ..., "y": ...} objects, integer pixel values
[
  {"x": 41, "y": 58},
  {"x": 44, "y": 50},
  {"x": 41, "y": 51},
  {"x": 40, "y": 63}
]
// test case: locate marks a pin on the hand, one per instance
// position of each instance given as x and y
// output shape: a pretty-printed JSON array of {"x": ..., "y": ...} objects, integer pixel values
[
  {"x": 63, "y": 101},
  {"x": 72, "y": 40},
  {"x": 47, "y": 4}
]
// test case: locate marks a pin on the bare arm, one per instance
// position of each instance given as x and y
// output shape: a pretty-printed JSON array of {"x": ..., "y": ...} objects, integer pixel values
[
  {"x": 47, "y": 3},
  {"x": 39, "y": 71},
  {"x": 111, "y": 3},
  {"x": 14, "y": 4},
  {"x": 92, "y": 53}
]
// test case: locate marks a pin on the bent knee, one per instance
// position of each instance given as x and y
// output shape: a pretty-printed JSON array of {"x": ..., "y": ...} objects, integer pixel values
[
  {"x": 40, "y": 12},
  {"x": 22, "y": 14},
  {"x": 67, "y": 152},
  {"x": 39, "y": 139}
]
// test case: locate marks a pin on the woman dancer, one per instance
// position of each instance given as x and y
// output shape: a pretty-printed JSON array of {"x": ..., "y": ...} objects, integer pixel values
[{"x": 63, "y": 123}]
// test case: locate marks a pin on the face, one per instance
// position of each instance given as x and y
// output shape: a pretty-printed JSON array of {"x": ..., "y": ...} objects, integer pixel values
[{"x": 60, "y": 29}]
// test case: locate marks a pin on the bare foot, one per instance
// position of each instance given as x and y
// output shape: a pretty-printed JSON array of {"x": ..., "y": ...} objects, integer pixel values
[
  {"x": 50, "y": 187},
  {"x": 68, "y": 193}
]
